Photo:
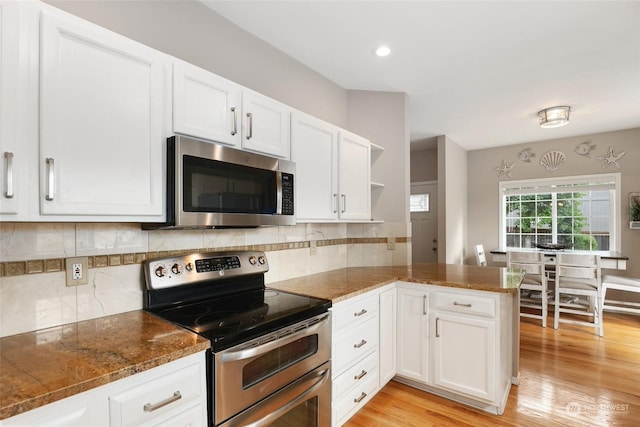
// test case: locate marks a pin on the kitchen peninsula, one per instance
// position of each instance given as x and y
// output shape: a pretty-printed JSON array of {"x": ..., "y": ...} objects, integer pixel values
[{"x": 452, "y": 330}]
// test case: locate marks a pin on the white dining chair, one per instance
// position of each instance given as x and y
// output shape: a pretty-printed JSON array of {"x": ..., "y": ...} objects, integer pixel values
[
  {"x": 620, "y": 283},
  {"x": 576, "y": 277},
  {"x": 481, "y": 258},
  {"x": 534, "y": 287}
]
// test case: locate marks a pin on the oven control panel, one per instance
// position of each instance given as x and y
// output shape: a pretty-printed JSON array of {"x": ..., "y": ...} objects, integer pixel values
[{"x": 183, "y": 270}]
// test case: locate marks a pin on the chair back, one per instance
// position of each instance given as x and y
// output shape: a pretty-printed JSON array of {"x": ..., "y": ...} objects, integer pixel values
[
  {"x": 531, "y": 262},
  {"x": 481, "y": 258},
  {"x": 583, "y": 268}
]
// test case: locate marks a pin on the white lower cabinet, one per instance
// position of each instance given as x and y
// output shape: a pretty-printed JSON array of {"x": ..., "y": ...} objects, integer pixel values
[
  {"x": 412, "y": 337},
  {"x": 354, "y": 352},
  {"x": 387, "y": 335},
  {"x": 173, "y": 394},
  {"x": 464, "y": 355}
]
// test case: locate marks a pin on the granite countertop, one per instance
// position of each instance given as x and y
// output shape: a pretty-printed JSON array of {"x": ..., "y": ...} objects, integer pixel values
[
  {"x": 43, "y": 366},
  {"x": 339, "y": 285}
]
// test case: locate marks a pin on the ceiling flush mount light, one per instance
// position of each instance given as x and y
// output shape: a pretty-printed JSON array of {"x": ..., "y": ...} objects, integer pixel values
[
  {"x": 382, "y": 51},
  {"x": 554, "y": 117}
]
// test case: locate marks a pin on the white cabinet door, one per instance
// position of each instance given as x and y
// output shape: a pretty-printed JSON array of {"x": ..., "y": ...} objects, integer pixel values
[
  {"x": 102, "y": 121},
  {"x": 413, "y": 334},
  {"x": 387, "y": 335},
  {"x": 354, "y": 171},
  {"x": 464, "y": 355},
  {"x": 266, "y": 125},
  {"x": 314, "y": 146},
  {"x": 205, "y": 105},
  {"x": 13, "y": 152}
]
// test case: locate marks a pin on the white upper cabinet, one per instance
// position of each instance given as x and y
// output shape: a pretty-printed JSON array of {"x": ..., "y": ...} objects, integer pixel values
[
  {"x": 102, "y": 121},
  {"x": 266, "y": 125},
  {"x": 205, "y": 105},
  {"x": 314, "y": 148},
  {"x": 332, "y": 171},
  {"x": 13, "y": 153},
  {"x": 210, "y": 107},
  {"x": 354, "y": 172}
]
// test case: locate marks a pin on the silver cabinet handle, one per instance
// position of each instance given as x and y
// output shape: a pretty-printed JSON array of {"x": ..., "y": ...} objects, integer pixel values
[
  {"x": 9, "y": 181},
  {"x": 50, "y": 179},
  {"x": 250, "y": 125},
  {"x": 362, "y": 374},
  {"x": 437, "y": 329},
  {"x": 335, "y": 203},
  {"x": 234, "y": 130},
  {"x": 460, "y": 304},
  {"x": 424, "y": 305},
  {"x": 360, "y": 313},
  {"x": 344, "y": 203},
  {"x": 152, "y": 407},
  {"x": 360, "y": 344},
  {"x": 359, "y": 398}
]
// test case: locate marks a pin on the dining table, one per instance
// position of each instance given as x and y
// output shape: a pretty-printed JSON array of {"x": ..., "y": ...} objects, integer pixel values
[{"x": 608, "y": 259}]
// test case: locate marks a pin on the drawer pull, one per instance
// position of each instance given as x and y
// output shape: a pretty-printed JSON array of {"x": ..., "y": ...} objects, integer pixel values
[
  {"x": 362, "y": 374},
  {"x": 359, "y": 398},
  {"x": 360, "y": 313},
  {"x": 152, "y": 407},
  {"x": 460, "y": 304},
  {"x": 360, "y": 344}
]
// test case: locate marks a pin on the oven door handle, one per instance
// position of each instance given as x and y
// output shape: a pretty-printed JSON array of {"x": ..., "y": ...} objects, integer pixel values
[
  {"x": 280, "y": 403},
  {"x": 252, "y": 352}
]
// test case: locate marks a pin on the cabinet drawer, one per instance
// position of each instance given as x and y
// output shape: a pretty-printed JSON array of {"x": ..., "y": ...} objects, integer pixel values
[
  {"x": 354, "y": 399},
  {"x": 463, "y": 303},
  {"x": 363, "y": 309},
  {"x": 357, "y": 374},
  {"x": 160, "y": 396},
  {"x": 355, "y": 344}
]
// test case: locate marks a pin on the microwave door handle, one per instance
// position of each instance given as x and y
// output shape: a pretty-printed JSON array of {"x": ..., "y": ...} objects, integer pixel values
[
  {"x": 279, "y": 193},
  {"x": 252, "y": 352}
]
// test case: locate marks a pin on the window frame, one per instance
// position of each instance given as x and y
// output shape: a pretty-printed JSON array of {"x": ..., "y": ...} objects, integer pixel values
[{"x": 548, "y": 183}]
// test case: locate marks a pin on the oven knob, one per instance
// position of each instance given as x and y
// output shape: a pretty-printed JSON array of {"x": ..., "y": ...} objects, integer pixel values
[
  {"x": 262, "y": 259},
  {"x": 176, "y": 268},
  {"x": 188, "y": 267},
  {"x": 161, "y": 271},
  {"x": 252, "y": 260}
]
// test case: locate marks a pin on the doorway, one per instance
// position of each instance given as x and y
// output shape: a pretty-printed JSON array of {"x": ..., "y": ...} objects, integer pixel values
[{"x": 424, "y": 222}]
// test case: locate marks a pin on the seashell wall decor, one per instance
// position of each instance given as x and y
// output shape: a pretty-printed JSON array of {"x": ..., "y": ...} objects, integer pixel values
[{"x": 553, "y": 160}]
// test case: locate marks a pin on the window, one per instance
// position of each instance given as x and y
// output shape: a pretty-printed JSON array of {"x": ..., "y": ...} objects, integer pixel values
[
  {"x": 579, "y": 211},
  {"x": 419, "y": 203}
]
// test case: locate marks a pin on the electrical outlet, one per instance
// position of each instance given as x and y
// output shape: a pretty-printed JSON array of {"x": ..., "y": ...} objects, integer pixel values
[
  {"x": 391, "y": 243},
  {"x": 77, "y": 270}
]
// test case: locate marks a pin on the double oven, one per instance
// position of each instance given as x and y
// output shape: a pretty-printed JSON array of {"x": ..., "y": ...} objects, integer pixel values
[{"x": 269, "y": 362}]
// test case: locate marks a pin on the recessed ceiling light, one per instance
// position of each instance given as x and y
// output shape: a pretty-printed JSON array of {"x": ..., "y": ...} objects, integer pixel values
[{"x": 382, "y": 51}]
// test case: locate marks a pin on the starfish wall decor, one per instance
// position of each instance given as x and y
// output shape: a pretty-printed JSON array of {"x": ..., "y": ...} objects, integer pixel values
[
  {"x": 505, "y": 169},
  {"x": 611, "y": 158}
]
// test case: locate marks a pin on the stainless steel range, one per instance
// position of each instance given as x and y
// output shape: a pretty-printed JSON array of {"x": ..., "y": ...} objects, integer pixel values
[{"x": 269, "y": 362}]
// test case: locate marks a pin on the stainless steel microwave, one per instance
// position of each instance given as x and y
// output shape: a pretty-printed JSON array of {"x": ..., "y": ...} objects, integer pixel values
[{"x": 213, "y": 186}]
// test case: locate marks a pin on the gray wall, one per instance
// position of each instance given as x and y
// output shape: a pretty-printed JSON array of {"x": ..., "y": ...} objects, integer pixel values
[
  {"x": 190, "y": 31},
  {"x": 452, "y": 201},
  {"x": 483, "y": 183},
  {"x": 382, "y": 118},
  {"x": 424, "y": 165}
]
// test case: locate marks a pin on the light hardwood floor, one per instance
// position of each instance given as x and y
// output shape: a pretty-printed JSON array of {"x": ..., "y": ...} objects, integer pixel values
[{"x": 568, "y": 377}]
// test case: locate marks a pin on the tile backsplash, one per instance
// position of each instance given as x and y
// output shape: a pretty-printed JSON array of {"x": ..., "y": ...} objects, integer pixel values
[{"x": 33, "y": 294}]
